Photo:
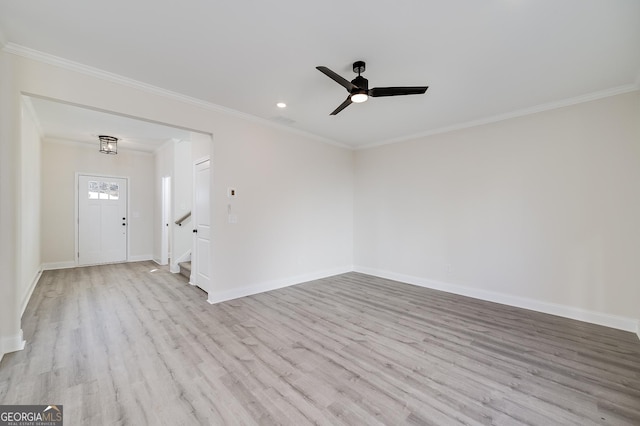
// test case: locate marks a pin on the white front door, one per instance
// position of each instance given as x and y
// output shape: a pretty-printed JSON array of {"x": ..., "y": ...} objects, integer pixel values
[
  {"x": 202, "y": 233},
  {"x": 102, "y": 219}
]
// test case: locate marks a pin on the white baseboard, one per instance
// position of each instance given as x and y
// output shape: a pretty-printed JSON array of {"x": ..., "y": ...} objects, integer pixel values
[
  {"x": 223, "y": 296},
  {"x": 140, "y": 258},
  {"x": 58, "y": 265},
  {"x": 607, "y": 320},
  {"x": 11, "y": 344},
  {"x": 27, "y": 296},
  {"x": 72, "y": 264}
]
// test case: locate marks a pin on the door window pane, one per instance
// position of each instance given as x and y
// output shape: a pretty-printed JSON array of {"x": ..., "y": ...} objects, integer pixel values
[
  {"x": 93, "y": 190},
  {"x": 103, "y": 190},
  {"x": 104, "y": 195},
  {"x": 114, "y": 191}
]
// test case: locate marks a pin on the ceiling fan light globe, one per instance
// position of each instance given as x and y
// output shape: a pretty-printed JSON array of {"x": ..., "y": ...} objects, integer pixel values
[{"x": 359, "y": 97}]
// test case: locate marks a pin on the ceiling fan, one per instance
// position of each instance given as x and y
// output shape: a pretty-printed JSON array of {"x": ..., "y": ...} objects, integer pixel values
[{"x": 358, "y": 88}]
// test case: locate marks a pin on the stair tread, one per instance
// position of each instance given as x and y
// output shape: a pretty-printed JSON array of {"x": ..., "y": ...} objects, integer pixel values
[{"x": 185, "y": 265}]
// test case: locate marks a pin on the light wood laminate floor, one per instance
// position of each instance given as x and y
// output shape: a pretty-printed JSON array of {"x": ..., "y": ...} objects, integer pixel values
[{"x": 123, "y": 344}]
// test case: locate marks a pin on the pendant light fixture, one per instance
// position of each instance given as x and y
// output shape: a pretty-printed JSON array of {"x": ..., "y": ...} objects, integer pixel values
[{"x": 108, "y": 144}]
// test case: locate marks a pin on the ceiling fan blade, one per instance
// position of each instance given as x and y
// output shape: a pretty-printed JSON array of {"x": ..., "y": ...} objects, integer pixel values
[
  {"x": 337, "y": 78},
  {"x": 377, "y": 92},
  {"x": 342, "y": 106}
]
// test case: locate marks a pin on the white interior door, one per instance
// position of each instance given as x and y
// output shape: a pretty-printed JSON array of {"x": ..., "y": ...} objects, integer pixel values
[
  {"x": 102, "y": 219},
  {"x": 165, "y": 242},
  {"x": 201, "y": 275}
]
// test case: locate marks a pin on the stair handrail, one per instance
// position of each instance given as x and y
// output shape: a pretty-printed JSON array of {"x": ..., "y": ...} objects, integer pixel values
[{"x": 182, "y": 219}]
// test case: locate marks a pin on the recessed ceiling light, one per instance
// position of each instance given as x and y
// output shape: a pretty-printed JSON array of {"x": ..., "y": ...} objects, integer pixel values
[{"x": 281, "y": 105}]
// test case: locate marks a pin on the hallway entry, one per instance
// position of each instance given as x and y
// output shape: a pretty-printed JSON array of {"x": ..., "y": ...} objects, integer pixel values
[{"x": 102, "y": 219}]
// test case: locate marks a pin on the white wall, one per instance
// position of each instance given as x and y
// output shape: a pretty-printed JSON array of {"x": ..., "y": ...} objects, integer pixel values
[
  {"x": 10, "y": 107},
  {"x": 294, "y": 207},
  {"x": 543, "y": 207},
  {"x": 163, "y": 168},
  {"x": 29, "y": 219},
  {"x": 201, "y": 145},
  {"x": 61, "y": 161}
]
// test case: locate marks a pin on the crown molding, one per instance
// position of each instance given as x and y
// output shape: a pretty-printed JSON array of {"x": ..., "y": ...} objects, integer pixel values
[
  {"x": 514, "y": 114},
  {"x": 57, "y": 61}
]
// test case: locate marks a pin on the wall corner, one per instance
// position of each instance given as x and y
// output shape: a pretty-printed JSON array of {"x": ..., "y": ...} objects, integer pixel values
[{"x": 10, "y": 344}]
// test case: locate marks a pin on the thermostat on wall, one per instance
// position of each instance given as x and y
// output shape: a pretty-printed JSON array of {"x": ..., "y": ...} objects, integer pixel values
[{"x": 231, "y": 192}]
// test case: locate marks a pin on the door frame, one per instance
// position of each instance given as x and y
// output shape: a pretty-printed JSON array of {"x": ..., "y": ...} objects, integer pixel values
[{"x": 76, "y": 219}]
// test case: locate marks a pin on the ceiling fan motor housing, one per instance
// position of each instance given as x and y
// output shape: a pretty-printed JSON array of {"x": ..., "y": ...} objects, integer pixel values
[
  {"x": 361, "y": 82},
  {"x": 358, "y": 67}
]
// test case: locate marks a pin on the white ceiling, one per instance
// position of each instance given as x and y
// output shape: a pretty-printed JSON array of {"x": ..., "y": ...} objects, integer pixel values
[
  {"x": 481, "y": 59},
  {"x": 70, "y": 123}
]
